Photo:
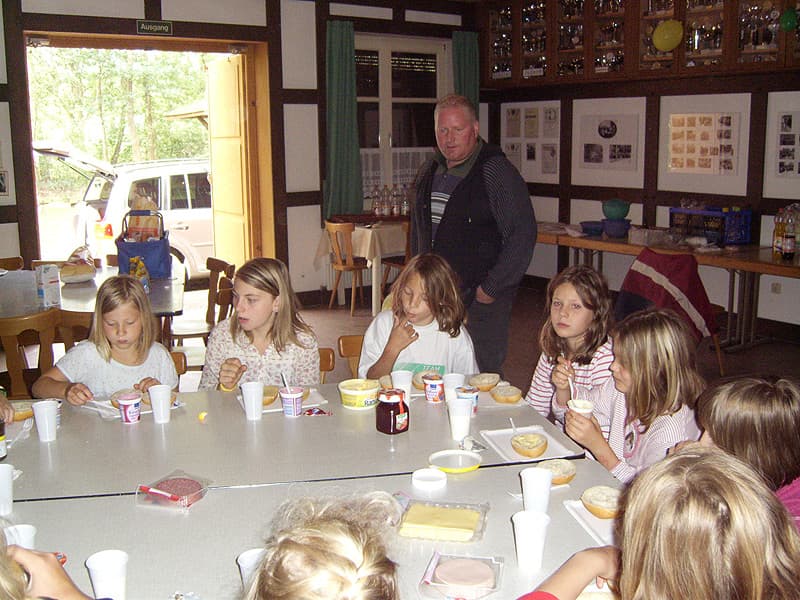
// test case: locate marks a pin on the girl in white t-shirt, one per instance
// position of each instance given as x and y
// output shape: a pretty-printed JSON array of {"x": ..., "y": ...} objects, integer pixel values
[
  {"x": 424, "y": 330},
  {"x": 121, "y": 351}
]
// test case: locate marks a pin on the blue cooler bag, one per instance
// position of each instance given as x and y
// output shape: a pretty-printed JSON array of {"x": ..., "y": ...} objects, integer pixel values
[{"x": 154, "y": 251}]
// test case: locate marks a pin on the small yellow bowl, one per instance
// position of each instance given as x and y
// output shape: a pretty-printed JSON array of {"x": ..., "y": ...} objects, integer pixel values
[{"x": 359, "y": 394}]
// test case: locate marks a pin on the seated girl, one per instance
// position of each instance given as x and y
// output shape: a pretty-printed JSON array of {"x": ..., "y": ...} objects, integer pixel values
[
  {"x": 699, "y": 524},
  {"x": 647, "y": 405},
  {"x": 266, "y": 337},
  {"x": 424, "y": 330}
]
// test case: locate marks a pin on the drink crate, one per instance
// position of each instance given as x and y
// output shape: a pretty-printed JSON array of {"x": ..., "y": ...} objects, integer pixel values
[{"x": 718, "y": 225}]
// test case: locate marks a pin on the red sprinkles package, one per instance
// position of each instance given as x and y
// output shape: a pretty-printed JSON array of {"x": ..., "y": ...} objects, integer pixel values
[{"x": 177, "y": 490}]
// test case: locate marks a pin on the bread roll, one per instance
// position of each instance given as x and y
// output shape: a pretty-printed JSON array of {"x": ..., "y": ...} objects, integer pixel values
[
  {"x": 602, "y": 501},
  {"x": 529, "y": 444},
  {"x": 417, "y": 379},
  {"x": 270, "y": 393},
  {"x": 506, "y": 394},
  {"x": 563, "y": 470},
  {"x": 23, "y": 409},
  {"x": 484, "y": 381},
  {"x": 386, "y": 382}
]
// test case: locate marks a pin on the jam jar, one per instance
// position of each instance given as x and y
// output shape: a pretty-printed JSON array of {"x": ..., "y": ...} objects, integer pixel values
[{"x": 391, "y": 414}]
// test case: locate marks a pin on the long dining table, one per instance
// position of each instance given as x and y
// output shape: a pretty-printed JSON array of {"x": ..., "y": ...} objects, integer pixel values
[{"x": 79, "y": 491}]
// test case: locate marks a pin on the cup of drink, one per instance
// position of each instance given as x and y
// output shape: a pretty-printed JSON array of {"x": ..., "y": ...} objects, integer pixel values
[
  {"x": 21, "y": 535},
  {"x": 292, "y": 401},
  {"x": 536, "y": 484},
  {"x": 530, "y": 532},
  {"x": 161, "y": 401},
  {"x": 248, "y": 561},
  {"x": 460, "y": 412},
  {"x": 45, "y": 413},
  {"x": 451, "y": 382},
  {"x": 467, "y": 391},
  {"x": 108, "y": 573},
  {"x": 434, "y": 388},
  {"x": 6, "y": 489},
  {"x": 253, "y": 399},
  {"x": 582, "y": 407},
  {"x": 403, "y": 380}
]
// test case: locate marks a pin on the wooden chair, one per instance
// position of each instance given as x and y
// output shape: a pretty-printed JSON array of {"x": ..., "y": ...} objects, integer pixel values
[
  {"x": 19, "y": 379},
  {"x": 12, "y": 263},
  {"x": 341, "y": 238},
  {"x": 179, "y": 358},
  {"x": 398, "y": 263},
  {"x": 350, "y": 348},
  {"x": 327, "y": 361},
  {"x": 194, "y": 328},
  {"x": 196, "y": 355},
  {"x": 73, "y": 327}
]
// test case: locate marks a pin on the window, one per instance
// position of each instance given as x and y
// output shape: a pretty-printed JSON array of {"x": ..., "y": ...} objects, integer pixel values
[
  {"x": 398, "y": 81},
  {"x": 177, "y": 192},
  {"x": 145, "y": 188},
  {"x": 200, "y": 190}
]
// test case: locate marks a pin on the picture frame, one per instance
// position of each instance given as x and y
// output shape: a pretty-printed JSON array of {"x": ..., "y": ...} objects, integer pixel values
[
  {"x": 530, "y": 134},
  {"x": 7, "y": 190},
  {"x": 608, "y": 142},
  {"x": 782, "y": 146},
  {"x": 703, "y": 143}
]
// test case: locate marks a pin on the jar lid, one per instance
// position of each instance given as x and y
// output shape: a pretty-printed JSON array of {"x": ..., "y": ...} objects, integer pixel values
[
  {"x": 429, "y": 479},
  {"x": 392, "y": 395}
]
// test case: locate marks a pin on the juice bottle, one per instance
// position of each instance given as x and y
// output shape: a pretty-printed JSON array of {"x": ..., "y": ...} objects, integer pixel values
[{"x": 777, "y": 234}]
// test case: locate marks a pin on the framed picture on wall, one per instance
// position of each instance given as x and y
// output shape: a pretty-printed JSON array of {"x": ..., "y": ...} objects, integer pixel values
[
  {"x": 530, "y": 136},
  {"x": 703, "y": 143},
  {"x": 782, "y": 147},
  {"x": 3, "y": 72},
  {"x": 608, "y": 142},
  {"x": 7, "y": 195}
]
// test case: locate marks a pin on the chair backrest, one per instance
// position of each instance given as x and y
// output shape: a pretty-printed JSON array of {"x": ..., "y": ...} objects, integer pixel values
[
  {"x": 406, "y": 225},
  {"x": 217, "y": 268},
  {"x": 12, "y": 263},
  {"x": 341, "y": 237},
  {"x": 667, "y": 281},
  {"x": 74, "y": 327},
  {"x": 44, "y": 324},
  {"x": 224, "y": 299},
  {"x": 327, "y": 361},
  {"x": 179, "y": 358},
  {"x": 350, "y": 348}
]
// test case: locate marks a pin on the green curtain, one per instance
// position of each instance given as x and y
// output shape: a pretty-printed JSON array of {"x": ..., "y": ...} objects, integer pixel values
[
  {"x": 466, "y": 64},
  {"x": 342, "y": 191}
]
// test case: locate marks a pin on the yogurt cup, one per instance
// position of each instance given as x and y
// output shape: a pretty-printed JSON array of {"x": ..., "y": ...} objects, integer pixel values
[
  {"x": 582, "y": 407},
  {"x": 130, "y": 407},
  {"x": 434, "y": 388}
]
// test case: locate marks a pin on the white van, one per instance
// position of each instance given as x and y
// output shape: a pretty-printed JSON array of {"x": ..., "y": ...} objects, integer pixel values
[{"x": 179, "y": 187}]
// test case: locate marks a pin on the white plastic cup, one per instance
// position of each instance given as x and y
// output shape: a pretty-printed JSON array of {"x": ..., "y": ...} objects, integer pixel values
[
  {"x": 248, "y": 562},
  {"x": 530, "y": 533},
  {"x": 403, "y": 380},
  {"x": 161, "y": 401},
  {"x": 45, "y": 412},
  {"x": 536, "y": 485},
  {"x": 451, "y": 382},
  {"x": 21, "y": 535},
  {"x": 460, "y": 413},
  {"x": 6, "y": 490},
  {"x": 291, "y": 401},
  {"x": 582, "y": 407},
  {"x": 253, "y": 399},
  {"x": 108, "y": 571}
]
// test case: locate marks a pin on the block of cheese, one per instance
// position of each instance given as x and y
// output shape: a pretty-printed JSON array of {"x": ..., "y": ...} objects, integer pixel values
[{"x": 445, "y": 523}]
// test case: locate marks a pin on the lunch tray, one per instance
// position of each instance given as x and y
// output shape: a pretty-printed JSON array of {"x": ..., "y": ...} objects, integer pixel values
[{"x": 500, "y": 441}]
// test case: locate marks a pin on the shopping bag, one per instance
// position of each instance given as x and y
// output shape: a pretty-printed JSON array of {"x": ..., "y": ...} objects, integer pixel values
[{"x": 154, "y": 250}]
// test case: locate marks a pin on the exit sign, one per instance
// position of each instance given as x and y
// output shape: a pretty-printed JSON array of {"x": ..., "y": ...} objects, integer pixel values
[{"x": 153, "y": 27}]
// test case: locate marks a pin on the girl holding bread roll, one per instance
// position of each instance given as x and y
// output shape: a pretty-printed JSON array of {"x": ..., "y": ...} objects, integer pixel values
[
  {"x": 265, "y": 337},
  {"x": 574, "y": 340},
  {"x": 647, "y": 405},
  {"x": 701, "y": 524},
  {"x": 424, "y": 330},
  {"x": 121, "y": 352}
]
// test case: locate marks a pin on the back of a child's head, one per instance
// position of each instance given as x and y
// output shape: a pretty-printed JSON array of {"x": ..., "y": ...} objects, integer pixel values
[
  {"x": 592, "y": 289},
  {"x": 658, "y": 349},
  {"x": 702, "y": 524},
  {"x": 113, "y": 293},
  {"x": 440, "y": 284},
  {"x": 12, "y": 577},
  {"x": 756, "y": 419},
  {"x": 329, "y": 549}
]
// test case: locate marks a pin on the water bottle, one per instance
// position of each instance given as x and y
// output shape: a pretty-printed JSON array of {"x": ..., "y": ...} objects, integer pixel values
[
  {"x": 376, "y": 201},
  {"x": 789, "y": 238},
  {"x": 395, "y": 201},
  {"x": 405, "y": 207},
  {"x": 777, "y": 234},
  {"x": 386, "y": 201}
]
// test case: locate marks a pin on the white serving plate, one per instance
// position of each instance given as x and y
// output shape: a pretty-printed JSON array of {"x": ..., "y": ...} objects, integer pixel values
[
  {"x": 500, "y": 440},
  {"x": 602, "y": 530}
]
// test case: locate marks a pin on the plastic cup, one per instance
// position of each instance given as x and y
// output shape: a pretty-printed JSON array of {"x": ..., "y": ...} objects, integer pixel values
[
  {"x": 460, "y": 412},
  {"x": 248, "y": 562},
  {"x": 21, "y": 535},
  {"x": 536, "y": 484},
  {"x": 434, "y": 389},
  {"x": 130, "y": 410},
  {"x": 253, "y": 398},
  {"x": 107, "y": 571},
  {"x": 467, "y": 391},
  {"x": 45, "y": 412},
  {"x": 582, "y": 407},
  {"x": 451, "y": 382},
  {"x": 403, "y": 381},
  {"x": 160, "y": 400},
  {"x": 530, "y": 532},
  {"x": 292, "y": 401},
  {"x": 6, "y": 490}
]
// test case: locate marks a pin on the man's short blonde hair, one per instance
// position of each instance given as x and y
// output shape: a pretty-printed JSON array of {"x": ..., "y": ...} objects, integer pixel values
[{"x": 456, "y": 101}]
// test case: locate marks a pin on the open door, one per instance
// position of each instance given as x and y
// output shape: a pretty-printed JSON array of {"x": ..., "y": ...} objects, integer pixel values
[{"x": 233, "y": 184}]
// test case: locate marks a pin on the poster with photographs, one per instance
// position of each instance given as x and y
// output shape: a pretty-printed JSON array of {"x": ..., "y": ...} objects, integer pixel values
[
  {"x": 782, "y": 155},
  {"x": 3, "y": 72},
  {"x": 530, "y": 134},
  {"x": 703, "y": 143},
  {"x": 7, "y": 195},
  {"x": 608, "y": 142}
]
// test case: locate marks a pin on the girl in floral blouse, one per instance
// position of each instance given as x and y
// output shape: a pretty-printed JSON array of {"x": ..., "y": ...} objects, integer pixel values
[{"x": 265, "y": 337}]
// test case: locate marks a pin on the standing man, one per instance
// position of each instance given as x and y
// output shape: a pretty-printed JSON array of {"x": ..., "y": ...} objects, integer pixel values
[{"x": 473, "y": 208}]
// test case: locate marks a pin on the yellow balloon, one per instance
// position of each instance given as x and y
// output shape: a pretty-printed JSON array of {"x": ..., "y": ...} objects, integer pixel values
[{"x": 668, "y": 35}]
